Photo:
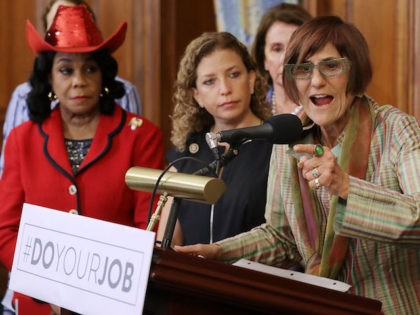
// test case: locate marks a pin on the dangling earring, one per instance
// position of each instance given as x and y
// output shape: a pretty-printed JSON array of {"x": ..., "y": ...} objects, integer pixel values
[
  {"x": 106, "y": 91},
  {"x": 52, "y": 96}
]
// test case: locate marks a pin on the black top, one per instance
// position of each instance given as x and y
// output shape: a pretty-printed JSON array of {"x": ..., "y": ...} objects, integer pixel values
[
  {"x": 242, "y": 205},
  {"x": 77, "y": 150}
]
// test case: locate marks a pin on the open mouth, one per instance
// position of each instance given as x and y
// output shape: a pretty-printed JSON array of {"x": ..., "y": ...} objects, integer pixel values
[{"x": 320, "y": 100}]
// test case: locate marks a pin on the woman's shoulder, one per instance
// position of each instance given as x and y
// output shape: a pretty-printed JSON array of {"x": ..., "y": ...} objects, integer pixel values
[
  {"x": 26, "y": 126},
  {"x": 392, "y": 116},
  {"x": 393, "y": 121},
  {"x": 135, "y": 121},
  {"x": 193, "y": 147},
  {"x": 24, "y": 131}
]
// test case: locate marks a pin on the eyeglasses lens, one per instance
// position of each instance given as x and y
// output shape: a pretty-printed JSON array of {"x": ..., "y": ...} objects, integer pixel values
[{"x": 328, "y": 68}]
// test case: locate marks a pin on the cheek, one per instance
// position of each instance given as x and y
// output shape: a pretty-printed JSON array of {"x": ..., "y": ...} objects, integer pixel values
[
  {"x": 302, "y": 87},
  {"x": 275, "y": 60},
  {"x": 198, "y": 97},
  {"x": 58, "y": 86}
]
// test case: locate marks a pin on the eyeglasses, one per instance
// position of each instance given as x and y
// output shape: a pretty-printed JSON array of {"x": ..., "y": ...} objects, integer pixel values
[{"x": 328, "y": 68}]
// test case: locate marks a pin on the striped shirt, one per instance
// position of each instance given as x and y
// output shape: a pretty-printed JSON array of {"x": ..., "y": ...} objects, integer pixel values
[
  {"x": 381, "y": 217},
  {"x": 17, "y": 110}
]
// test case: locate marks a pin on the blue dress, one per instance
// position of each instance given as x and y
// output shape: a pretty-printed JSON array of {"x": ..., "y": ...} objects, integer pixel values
[{"x": 242, "y": 205}]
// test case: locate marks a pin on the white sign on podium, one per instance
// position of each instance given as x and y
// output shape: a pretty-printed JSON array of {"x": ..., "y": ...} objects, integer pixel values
[{"x": 82, "y": 264}]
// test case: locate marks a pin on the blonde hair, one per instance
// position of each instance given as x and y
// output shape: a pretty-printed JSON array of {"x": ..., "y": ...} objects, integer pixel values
[{"x": 188, "y": 117}]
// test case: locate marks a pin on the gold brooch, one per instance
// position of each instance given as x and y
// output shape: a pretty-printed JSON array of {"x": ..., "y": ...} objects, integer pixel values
[{"x": 135, "y": 122}]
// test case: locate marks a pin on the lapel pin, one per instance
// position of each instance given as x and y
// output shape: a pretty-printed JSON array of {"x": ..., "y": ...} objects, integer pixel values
[
  {"x": 135, "y": 122},
  {"x": 193, "y": 148}
]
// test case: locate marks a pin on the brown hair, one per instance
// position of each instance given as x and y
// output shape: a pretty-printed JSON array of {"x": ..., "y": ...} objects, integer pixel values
[
  {"x": 287, "y": 13},
  {"x": 345, "y": 37},
  {"x": 188, "y": 116}
]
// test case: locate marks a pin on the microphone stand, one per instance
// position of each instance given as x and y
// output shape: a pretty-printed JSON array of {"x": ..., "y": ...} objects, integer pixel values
[
  {"x": 170, "y": 225},
  {"x": 214, "y": 167},
  {"x": 173, "y": 214}
]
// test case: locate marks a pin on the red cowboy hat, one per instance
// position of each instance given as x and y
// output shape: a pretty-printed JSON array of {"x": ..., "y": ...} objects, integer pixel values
[{"x": 74, "y": 31}]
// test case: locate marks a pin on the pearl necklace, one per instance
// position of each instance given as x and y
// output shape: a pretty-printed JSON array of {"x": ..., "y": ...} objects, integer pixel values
[{"x": 297, "y": 109}]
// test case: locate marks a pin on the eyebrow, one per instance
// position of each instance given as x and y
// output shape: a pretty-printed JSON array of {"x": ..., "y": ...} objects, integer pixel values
[
  {"x": 323, "y": 59},
  {"x": 212, "y": 74}
]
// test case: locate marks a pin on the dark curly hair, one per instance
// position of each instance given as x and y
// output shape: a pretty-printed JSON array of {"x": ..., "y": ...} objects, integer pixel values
[{"x": 38, "y": 101}]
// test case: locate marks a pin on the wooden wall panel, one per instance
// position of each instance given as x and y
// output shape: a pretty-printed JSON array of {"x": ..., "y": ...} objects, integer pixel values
[
  {"x": 387, "y": 43},
  {"x": 110, "y": 14},
  {"x": 182, "y": 21},
  {"x": 147, "y": 56},
  {"x": 15, "y": 56}
]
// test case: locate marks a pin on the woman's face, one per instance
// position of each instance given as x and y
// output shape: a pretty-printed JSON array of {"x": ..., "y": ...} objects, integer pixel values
[
  {"x": 224, "y": 86},
  {"x": 276, "y": 41},
  {"x": 76, "y": 80},
  {"x": 324, "y": 99}
]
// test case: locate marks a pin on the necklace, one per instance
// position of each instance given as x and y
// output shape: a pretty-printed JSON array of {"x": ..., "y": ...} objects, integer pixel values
[
  {"x": 297, "y": 109},
  {"x": 273, "y": 103}
]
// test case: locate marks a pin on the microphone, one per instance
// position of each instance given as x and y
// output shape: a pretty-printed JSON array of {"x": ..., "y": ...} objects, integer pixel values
[
  {"x": 212, "y": 142},
  {"x": 279, "y": 129}
]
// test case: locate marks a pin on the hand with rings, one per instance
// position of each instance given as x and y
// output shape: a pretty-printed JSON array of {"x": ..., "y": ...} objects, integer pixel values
[
  {"x": 315, "y": 174},
  {"x": 320, "y": 168}
]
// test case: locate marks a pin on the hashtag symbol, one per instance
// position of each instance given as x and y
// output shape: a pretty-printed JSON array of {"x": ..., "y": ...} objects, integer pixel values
[{"x": 28, "y": 247}]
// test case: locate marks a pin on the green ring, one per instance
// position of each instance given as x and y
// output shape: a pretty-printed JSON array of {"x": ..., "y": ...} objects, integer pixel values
[{"x": 318, "y": 150}]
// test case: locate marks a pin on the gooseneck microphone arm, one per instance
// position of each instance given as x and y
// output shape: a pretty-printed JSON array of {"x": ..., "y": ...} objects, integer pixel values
[{"x": 225, "y": 158}]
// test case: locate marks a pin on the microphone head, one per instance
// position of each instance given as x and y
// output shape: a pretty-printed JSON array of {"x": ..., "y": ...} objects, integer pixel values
[{"x": 287, "y": 128}]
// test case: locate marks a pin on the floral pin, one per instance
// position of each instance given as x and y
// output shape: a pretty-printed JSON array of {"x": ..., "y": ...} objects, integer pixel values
[{"x": 135, "y": 122}]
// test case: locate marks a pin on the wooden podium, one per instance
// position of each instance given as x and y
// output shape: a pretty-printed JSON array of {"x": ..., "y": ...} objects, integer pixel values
[{"x": 181, "y": 284}]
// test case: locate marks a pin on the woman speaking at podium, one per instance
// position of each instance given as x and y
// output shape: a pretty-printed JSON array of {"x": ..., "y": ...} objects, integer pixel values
[{"x": 345, "y": 201}]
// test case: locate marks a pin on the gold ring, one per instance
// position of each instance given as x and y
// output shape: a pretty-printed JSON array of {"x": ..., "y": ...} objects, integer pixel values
[
  {"x": 318, "y": 150},
  {"x": 317, "y": 184}
]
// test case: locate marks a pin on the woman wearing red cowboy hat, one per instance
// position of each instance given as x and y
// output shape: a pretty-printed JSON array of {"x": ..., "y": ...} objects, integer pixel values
[{"x": 74, "y": 157}]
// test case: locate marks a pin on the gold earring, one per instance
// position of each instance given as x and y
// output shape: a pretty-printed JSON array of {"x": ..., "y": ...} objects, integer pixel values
[
  {"x": 52, "y": 96},
  {"x": 106, "y": 91}
]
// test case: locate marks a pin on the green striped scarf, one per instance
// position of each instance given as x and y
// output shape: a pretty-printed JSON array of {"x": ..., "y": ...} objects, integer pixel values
[{"x": 329, "y": 249}]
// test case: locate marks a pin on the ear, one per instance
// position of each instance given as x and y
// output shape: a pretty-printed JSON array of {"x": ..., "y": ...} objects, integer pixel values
[
  {"x": 252, "y": 78},
  {"x": 197, "y": 97}
]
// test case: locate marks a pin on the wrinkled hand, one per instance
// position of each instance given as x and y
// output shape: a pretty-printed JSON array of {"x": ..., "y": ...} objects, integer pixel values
[
  {"x": 210, "y": 251},
  {"x": 329, "y": 174}
]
